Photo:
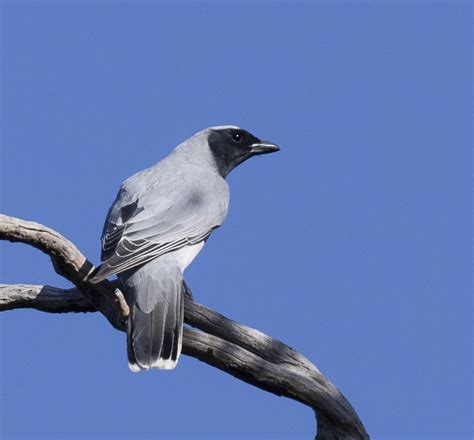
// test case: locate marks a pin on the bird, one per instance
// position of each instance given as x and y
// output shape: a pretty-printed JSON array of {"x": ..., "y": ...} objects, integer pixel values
[{"x": 158, "y": 223}]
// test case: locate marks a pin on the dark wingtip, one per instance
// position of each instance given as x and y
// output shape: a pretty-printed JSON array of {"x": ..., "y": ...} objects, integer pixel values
[{"x": 97, "y": 275}]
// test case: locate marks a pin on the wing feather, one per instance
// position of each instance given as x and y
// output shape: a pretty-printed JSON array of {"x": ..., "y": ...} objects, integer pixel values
[{"x": 144, "y": 224}]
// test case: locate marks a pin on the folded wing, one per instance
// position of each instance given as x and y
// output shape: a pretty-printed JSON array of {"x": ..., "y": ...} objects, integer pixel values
[{"x": 148, "y": 221}]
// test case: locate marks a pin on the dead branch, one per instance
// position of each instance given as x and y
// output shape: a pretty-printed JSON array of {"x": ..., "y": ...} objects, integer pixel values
[{"x": 241, "y": 351}]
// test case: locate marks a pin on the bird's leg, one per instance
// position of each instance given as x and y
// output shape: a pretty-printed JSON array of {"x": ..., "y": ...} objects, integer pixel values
[{"x": 187, "y": 291}]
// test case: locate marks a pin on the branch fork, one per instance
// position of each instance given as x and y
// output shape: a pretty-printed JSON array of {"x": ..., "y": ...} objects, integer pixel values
[{"x": 241, "y": 351}]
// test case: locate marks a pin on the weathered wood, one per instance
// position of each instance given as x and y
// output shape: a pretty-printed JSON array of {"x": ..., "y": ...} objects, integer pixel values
[
  {"x": 68, "y": 262},
  {"x": 45, "y": 298},
  {"x": 241, "y": 351}
]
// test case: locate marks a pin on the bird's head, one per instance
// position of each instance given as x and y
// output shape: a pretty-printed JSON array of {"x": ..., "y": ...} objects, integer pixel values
[{"x": 230, "y": 146}]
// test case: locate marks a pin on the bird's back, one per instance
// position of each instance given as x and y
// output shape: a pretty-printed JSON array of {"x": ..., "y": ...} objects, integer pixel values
[{"x": 173, "y": 200}]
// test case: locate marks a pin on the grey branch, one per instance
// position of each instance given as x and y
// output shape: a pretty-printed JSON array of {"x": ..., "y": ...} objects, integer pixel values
[{"x": 241, "y": 351}]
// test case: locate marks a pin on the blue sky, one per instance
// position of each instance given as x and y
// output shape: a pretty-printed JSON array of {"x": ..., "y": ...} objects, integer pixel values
[{"x": 352, "y": 244}]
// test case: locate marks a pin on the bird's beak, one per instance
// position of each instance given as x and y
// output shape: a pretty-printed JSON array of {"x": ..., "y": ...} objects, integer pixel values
[{"x": 264, "y": 147}]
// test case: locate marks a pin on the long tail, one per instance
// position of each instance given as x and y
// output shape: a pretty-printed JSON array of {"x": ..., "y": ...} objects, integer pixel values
[{"x": 155, "y": 324}]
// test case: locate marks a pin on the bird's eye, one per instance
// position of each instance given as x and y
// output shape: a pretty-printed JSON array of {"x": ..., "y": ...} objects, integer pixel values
[{"x": 236, "y": 137}]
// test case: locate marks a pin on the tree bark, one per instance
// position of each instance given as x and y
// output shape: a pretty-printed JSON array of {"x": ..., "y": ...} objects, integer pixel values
[{"x": 241, "y": 351}]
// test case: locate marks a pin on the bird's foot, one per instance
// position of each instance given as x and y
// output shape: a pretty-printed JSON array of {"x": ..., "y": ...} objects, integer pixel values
[{"x": 187, "y": 291}]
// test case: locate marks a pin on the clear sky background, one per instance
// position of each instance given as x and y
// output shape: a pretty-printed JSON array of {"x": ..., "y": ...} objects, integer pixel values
[{"x": 352, "y": 244}]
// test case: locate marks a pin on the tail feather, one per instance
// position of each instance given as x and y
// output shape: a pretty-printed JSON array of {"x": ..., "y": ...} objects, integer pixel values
[
  {"x": 155, "y": 324},
  {"x": 178, "y": 330}
]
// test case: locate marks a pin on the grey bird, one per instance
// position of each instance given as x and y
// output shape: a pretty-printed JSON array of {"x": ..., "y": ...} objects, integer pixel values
[{"x": 156, "y": 226}]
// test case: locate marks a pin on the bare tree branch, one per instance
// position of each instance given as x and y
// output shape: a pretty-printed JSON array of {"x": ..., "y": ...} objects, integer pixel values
[
  {"x": 241, "y": 351},
  {"x": 68, "y": 262}
]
